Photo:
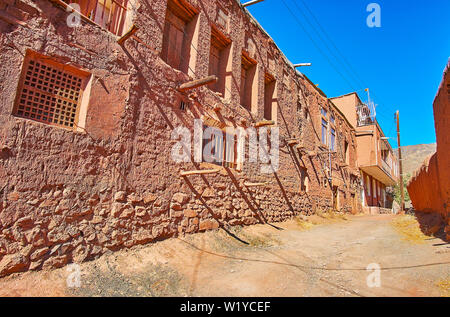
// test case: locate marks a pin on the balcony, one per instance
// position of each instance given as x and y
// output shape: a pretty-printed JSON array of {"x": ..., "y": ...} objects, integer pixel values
[{"x": 386, "y": 167}]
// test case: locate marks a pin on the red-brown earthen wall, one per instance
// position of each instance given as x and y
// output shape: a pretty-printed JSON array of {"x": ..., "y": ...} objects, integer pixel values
[{"x": 71, "y": 196}]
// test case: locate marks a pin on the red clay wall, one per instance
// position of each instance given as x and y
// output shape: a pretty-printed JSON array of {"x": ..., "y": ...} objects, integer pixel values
[
  {"x": 429, "y": 187},
  {"x": 71, "y": 196}
]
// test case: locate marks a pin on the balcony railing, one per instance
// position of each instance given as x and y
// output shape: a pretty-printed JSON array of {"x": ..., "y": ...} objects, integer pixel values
[{"x": 386, "y": 167}]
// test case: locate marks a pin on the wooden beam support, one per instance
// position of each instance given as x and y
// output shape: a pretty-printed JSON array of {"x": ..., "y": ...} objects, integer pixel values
[
  {"x": 251, "y": 2},
  {"x": 127, "y": 35},
  {"x": 197, "y": 83},
  {"x": 248, "y": 184},
  {"x": 264, "y": 123},
  {"x": 199, "y": 172}
]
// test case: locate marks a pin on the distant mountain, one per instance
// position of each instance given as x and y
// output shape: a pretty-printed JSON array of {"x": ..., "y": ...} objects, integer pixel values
[{"x": 414, "y": 155}]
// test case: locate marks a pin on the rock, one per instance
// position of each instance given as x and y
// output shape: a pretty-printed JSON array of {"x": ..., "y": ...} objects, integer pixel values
[
  {"x": 80, "y": 254},
  {"x": 39, "y": 253},
  {"x": 128, "y": 212},
  {"x": 142, "y": 236},
  {"x": 52, "y": 224},
  {"x": 67, "y": 192},
  {"x": 208, "y": 224},
  {"x": 96, "y": 220},
  {"x": 13, "y": 196},
  {"x": 13, "y": 263},
  {"x": 91, "y": 238},
  {"x": 209, "y": 193},
  {"x": 176, "y": 206},
  {"x": 116, "y": 209},
  {"x": 57, "y": 194},
  {"x": 176, "y": 214},
  {"x": 55, "y": 262},
  {"x": 73, "y": 232},
  {"x": 26, "y": 251},
  {"x": 157, "y": 231},
  {"x": 25, "y": 222},
  {"x": 55, "y": 236},
  {"x": 141, "y": 212},
  {"x": 158, "y": 202},
  {"x": 180, "y": 198},
  {"x": 120, "y": 196},
  {"x": 134, "y": 198},
  {"x": 149, "y": 198},
  {"x": 35, "y": 265},
  {"x": 48, "y": 203},
  {"x": 33, "y": 202},
  {"x": 36, "y": 236},
  {"x": 189, "y": 213}
]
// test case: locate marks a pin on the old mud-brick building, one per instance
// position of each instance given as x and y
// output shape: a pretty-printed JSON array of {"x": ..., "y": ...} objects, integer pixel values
[
  {"x": 429, "y": 186},
  {"x": 376, "y": 159},
  {"x": 88, "y": 107}
]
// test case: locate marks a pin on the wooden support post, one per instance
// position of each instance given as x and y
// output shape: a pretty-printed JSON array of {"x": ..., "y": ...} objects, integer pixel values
[
  {"x": 198, "y": 172},
  {"x": 264, "y": 123},
  {"x": 127, "y": 35},
  {"x": 197, "y": 83},
  {"x": 251, "y": 2},
  {"x": 248, "y": 184}
]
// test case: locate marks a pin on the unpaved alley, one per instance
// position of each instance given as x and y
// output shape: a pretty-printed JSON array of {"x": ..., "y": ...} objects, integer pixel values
[{"x": 320, "y": 257}]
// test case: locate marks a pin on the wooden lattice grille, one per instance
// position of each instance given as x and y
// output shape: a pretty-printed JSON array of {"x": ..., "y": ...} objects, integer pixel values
[{"x": 49, "y": 92}]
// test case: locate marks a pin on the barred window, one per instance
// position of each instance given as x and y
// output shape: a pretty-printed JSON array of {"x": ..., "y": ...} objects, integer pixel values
[{"x": 50, "y": 92}]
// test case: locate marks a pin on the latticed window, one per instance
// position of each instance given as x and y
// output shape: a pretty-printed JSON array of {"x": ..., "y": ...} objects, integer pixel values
[
  {"x": 50, "y": 92},
  {"x": 109, "y": 14}
]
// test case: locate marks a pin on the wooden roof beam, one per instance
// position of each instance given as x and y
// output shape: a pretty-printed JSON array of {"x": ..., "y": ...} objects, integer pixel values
[
  {"x": 127, "y": 35},
  {"x": 264, "y": 123},
  {"x": 197, "y": 83},
  {"x": 199, "y": 172},
  {"x": 248, "y": 184}
]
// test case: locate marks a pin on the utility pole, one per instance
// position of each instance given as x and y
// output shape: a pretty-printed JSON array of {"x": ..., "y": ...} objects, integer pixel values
[{"x": 402, "y": 206}]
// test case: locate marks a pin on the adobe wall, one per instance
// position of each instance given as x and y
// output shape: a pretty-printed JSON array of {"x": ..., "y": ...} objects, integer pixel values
[
  {"x": 429, "y": 187},
  {"x": 70, "y": 196}
]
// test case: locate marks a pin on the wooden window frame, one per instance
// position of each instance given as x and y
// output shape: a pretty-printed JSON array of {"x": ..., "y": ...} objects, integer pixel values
[
  {"x": 55, "y": 102},
  {"x": 223, "y": 163},
  {"x": 116, "y": 18},
  {"x": 221, "y": 43},
  {"x": 186, "y": 13}
]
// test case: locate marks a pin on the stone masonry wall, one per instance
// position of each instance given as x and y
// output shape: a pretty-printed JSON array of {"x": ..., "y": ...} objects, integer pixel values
[{"x": 70, "y": 196}]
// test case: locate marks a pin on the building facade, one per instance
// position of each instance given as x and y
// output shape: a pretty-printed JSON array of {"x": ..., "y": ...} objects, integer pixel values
[
  {"x": 429, "y": 186},
  {"x": 92, "y": 100},
  {"x": 375, "y": 157}
]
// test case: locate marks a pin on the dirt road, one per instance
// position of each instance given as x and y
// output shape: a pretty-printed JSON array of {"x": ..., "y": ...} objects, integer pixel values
[{"x": 293, "y": 258}]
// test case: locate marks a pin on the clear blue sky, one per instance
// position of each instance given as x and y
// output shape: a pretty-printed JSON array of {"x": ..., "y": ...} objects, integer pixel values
[{"x": 402, "y": 62}]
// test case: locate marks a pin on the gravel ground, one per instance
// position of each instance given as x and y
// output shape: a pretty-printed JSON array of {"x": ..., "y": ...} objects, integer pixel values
[{"x": 325, "y": 257}]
